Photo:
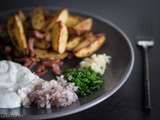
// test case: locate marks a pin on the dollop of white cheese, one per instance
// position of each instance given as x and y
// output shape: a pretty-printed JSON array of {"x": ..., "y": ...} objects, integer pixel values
[
  {"x": 96, "y": 62},
  {"x": 16, "y": 82},
  {"x": 9, "y": 99}
]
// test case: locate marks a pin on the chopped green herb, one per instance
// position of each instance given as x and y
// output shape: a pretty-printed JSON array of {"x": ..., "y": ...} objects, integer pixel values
[{"x": 86, "y": 79}]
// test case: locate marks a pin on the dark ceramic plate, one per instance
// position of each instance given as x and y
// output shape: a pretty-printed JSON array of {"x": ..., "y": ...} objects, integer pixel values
[{"x": 117, "y": 45}]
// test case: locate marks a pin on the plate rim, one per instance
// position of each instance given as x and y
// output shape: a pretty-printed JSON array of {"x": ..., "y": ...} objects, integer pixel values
[{"x": 98, "y": 99}]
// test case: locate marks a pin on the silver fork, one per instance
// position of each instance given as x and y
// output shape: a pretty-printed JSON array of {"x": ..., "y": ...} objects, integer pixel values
[{"x": 145, "y": 44}]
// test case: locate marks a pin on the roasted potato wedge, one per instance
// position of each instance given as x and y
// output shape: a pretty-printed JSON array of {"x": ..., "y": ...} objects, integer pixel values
[
  {"x": 73, "y": 21},
  {"x": 16, "y": 32},
  {"x": 73, "y": 43},
  {"x": 19, "y": 34},
  {"x": 41, "y": 44},
  {"x": 82, "y": 27},
  {"x": 62, "y": 16},
  {"x": 44, "y": 54},
  {"x": 38, "y": 18},
  {"x": 90, "y": 48},
  {"x": 21, "y": 15},
  {"x": 60, "y": 32},
  {"x": 86, "y": 40},
  {"x": 19, "y": 53},
  {"x": 24, "y": 18},
  {"x": 59, "y": 37}
]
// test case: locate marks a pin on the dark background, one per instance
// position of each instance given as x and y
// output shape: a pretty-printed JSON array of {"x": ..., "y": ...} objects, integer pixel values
[{"x": 135, "y": 18}]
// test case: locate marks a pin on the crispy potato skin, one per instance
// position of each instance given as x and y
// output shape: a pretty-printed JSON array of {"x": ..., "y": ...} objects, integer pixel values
[
  {"x": 19, "y": 33},
  {"x": 92, "y": 47},
  {"x": 44, "y": 54},
  {"x": 86, "y": 40},
  {"x": 73, "y": 43},
  {"x": 22, "y": 16},
  {"x": 73, "y": 20},
  {"x": 83, "y": 27},
  {"x": 41, "y": 44},
  {"x": 16, "y": 32},
  {"x": 54, "y": 35},
  {"x": 38, "y": 18},
  {"x": 62, "y": 16},
  {"x": 59, "y": 37}
]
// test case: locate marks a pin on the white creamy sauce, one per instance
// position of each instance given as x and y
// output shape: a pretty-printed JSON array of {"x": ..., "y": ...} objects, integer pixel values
[
  {"x": 16, "y": 82},
  {"x": 9, "y": 99}
]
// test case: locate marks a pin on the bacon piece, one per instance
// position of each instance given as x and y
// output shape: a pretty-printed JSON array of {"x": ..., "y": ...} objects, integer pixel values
[
  {"x": 47, "y": 37},
  {"x": 49, "y": 63},
  {"x": 38, "y": 34},
  {"x": 31, "y": 47},
  {"x": 41, "y": 70},
  {"x": 56, "y": 69},
  {"x": 42, "y": 73},
  {"x": 33, "y": 63},
  {"x": 54, "y": 65},
  {"x": 22, "y": 60},
  {"x": 29, "y": 62}
]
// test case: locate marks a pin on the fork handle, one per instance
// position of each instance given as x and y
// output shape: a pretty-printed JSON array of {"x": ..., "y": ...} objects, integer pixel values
[{"x": 147, "y": 80}]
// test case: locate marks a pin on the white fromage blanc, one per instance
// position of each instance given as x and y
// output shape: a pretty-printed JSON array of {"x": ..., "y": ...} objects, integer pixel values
[
  {"x": 16, "y": 82},
  {"x": 97, "y": 62}
]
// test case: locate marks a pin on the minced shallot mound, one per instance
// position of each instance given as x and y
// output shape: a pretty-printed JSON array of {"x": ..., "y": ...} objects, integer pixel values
[{"x": 54, "y": 93}]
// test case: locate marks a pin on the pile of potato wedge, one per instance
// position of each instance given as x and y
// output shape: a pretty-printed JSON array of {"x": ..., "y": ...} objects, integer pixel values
[{"x": 53, "y": 35}]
